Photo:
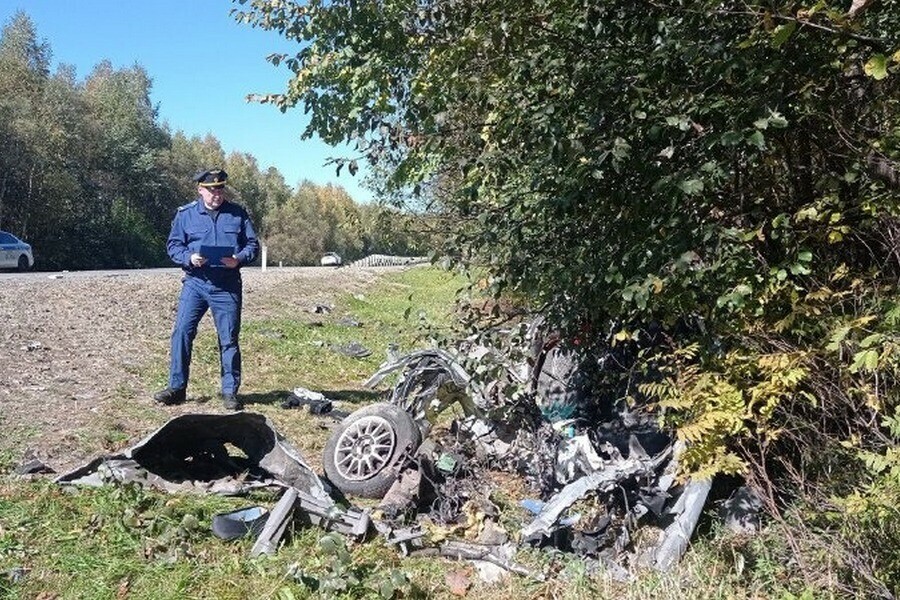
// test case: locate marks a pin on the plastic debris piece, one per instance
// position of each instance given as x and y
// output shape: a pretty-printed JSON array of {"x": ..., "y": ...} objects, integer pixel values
[
  {"x": 352, "y": 349},
  {"x": 238, "y": 523},
  {"x": 276, "y": 524}
]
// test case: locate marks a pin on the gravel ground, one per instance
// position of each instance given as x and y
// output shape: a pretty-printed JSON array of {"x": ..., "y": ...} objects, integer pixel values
[{"x": 75, "y": 349}]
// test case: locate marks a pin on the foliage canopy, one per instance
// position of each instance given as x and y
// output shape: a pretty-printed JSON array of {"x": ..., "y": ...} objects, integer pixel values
[{"x": 711, "y": 184}]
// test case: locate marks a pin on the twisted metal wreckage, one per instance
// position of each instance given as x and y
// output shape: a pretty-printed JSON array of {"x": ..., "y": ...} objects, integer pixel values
[{"x": 598, "y": 481}]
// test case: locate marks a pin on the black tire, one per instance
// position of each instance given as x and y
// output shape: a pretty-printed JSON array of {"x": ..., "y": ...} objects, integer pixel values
[
  {"x": 361, "y": 454},
  {"x": 23, "y": 263}
]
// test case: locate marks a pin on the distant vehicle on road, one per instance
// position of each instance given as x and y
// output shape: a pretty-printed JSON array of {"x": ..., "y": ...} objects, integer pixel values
[
  {"x": 14, "y": 253},
  {"x": 331, "y": 259}
]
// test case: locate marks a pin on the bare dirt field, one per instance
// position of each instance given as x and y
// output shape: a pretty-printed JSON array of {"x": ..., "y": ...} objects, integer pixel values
[{"x": 75, "y": 350}]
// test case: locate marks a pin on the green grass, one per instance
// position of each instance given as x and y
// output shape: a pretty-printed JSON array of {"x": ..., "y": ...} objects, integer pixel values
[
  {"x": 124, "y": 542},
  {"x": 127, "y": 542},
  {"x": 297, "y": 349}
]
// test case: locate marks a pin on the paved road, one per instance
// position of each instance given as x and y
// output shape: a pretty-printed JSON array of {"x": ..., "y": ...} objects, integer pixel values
[{"x": 36, "y": 275}]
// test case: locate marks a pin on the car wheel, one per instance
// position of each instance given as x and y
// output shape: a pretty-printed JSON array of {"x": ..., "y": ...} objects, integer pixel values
[
  {"x": 361, "y": 454},
  {"x": 23, "y": 263}
]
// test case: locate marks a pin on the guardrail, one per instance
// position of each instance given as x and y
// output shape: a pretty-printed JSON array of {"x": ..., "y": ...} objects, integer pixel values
[{"x": 385, "y": 260}]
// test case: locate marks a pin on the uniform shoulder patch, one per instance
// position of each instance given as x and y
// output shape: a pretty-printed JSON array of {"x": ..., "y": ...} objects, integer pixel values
[{"x": 187, "y": 206}]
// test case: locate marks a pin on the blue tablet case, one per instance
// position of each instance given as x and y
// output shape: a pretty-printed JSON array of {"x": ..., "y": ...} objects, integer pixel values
[{"x": 214, "y": 254}]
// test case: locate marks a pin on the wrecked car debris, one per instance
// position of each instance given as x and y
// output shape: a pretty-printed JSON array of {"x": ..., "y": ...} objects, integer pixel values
[
  {"x": 685, "y": 513},
  {"x": 238, "y": 523},
  {"x": 33, "y": 466},
  {"x": 617, "y": 461},
  {"x": 424, "y": 374},
  {"x": 315, "y": 402},
  {"x": 276, "y": 524},
  {"x": 496, "y": 555},
  {"x": 365, "y": 450},
  {"x": 228, "y": 454},
  {"x": 740, "y": 512},
  {"x": 352, "y": 349},
  {"x": 603, "y": 481},
  {"x": 597, "y": 478}
]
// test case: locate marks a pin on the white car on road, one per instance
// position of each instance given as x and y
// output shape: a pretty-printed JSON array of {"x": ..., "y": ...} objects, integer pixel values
[
  {"x": 331, "y": 259},
  {"x": 14, "y": 253}
]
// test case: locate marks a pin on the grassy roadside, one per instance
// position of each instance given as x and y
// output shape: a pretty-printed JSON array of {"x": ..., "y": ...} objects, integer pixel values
[{"x": 125, "y": 542}]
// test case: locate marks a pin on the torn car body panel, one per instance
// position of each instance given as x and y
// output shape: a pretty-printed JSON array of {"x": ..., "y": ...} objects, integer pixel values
[
  {"x": 228, "y": 454},
  {"x": 196, "y": 452}
]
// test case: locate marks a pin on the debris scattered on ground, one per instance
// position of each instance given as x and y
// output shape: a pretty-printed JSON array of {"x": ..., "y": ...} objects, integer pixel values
[
  {"x": 230, "y": 455},
  {"x": 227, "y": 454},
  {"x": 349, "y": 321},
  {"x": 352, "y": 349},
  {"x": 740, "y": 512},
  {"x": 593, "y": 483},
  {"x": 315, "y": 402},
  {"x": 15, "y": 575},
  {"x": 598, "y": 480},
  {"x": 33, "y": 466},
  {"x": 239, "y": 523}
]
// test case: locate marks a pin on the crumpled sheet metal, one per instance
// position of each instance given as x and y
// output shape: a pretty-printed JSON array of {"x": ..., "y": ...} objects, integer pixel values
[
  {"x": 190, "y": 453},
  {"x": 602, "y": 480},
  {"x": 685, "y": 513},
  {"x": 440, "y": 357},
  {"x": 424, "y": 373}
]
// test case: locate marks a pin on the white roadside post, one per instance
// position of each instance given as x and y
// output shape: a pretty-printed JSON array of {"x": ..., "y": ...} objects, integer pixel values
[{"x": 264, "y": 252}]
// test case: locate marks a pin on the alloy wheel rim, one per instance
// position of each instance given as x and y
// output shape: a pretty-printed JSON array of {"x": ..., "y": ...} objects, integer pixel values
[{"x": 364, "y": 448}]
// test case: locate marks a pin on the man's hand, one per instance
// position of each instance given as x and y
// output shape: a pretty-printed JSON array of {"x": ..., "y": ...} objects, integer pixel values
[
  {"x": 197, "y": 260},
  {"x": 230, "y": 262}
]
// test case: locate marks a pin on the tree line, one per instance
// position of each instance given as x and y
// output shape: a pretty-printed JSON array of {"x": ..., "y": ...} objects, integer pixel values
[{"x": 91, "y": 178}]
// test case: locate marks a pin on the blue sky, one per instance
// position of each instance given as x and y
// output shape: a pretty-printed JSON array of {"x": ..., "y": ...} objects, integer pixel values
[{"x": 202, "y": 63}]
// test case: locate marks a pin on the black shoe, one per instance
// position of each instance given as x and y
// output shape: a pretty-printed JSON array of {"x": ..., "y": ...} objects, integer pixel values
[
  {"x": 170, "y": 396},
  {"x": 230, "y": 402}
]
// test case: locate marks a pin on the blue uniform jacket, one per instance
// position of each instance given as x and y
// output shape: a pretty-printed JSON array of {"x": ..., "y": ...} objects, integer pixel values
[{"x": 193, "y": 227}]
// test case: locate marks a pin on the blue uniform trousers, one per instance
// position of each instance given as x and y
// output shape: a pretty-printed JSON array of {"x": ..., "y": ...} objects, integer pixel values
[{"x": 198, "y": 295}]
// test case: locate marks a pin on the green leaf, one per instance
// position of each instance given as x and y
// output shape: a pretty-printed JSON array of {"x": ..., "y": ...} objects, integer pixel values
[
  {"x": 871, "y": 340},
  {"x": 781, "y": 34},
  {"x": 330, "y": 544},
  {"x": 876, "y": 67},
  {"x": 837, "y": 337},
  {"x": 398, "y": 578},
  {"x": 691, "y": 187},
  {"x": 386, "y": 589},
  {"x": 864, "y": 361},
  {"x": 757, "y": 139},
  {"x": 621, "y": 149},
  {"x": 731, "y": 138},
  {"x": 777, "y": 120},
  {"x": 285, "y": 593}
]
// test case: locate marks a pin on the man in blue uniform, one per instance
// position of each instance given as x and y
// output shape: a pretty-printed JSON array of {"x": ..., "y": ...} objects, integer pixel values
[{"x": 211, "y": 239}]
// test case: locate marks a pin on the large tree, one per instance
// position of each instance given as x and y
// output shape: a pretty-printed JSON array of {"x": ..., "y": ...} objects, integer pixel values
[{"x": 612, "y": 157}]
